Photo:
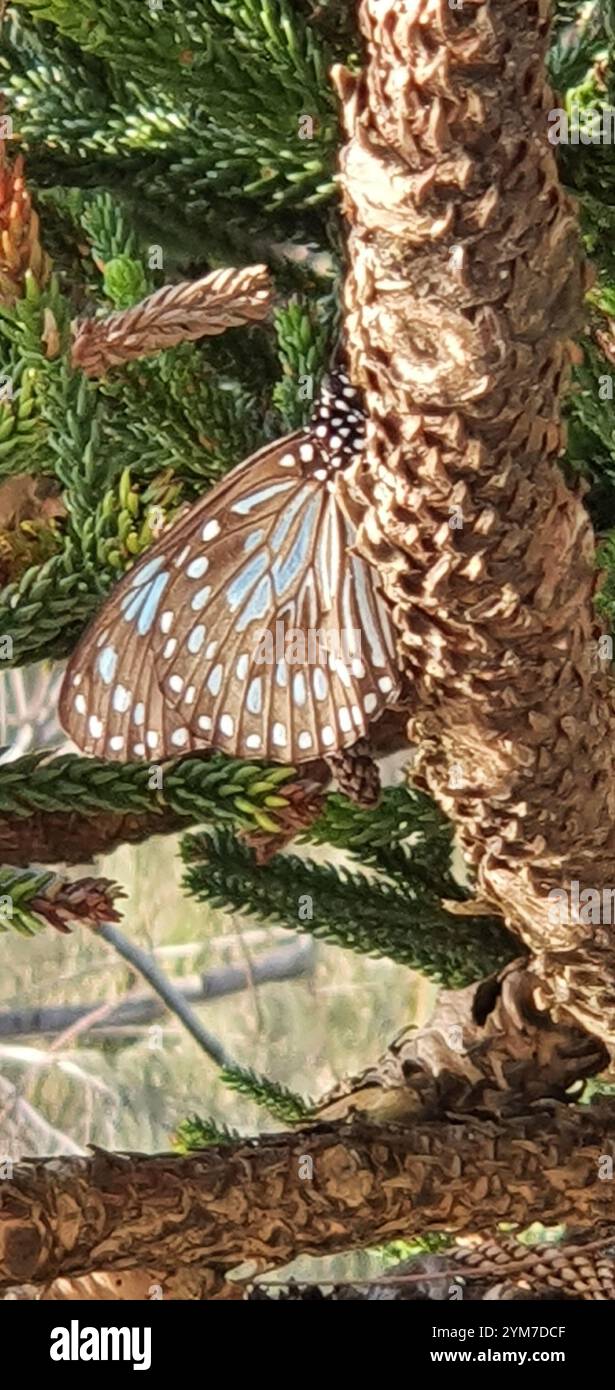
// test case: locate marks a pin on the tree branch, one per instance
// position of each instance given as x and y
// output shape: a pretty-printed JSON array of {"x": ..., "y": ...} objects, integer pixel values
[
  {"x": 288, "y": 962},
  {"x": 319, "y": 1191}
]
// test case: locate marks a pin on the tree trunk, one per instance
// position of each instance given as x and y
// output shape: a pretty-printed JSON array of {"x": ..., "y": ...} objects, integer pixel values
[
  {"x": 329, "y": 1189},
  {"x": 463, "y": 290}
]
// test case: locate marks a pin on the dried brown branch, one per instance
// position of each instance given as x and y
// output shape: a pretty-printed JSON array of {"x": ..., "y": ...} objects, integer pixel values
[
  {"x": 174, "y": 314},
  {"x": 574, "y": 1270},
  {"x": 320, "y": 1191},
  {"x": 52, "y": 837},
  {"x": 485, "y": 1051},
  {"x": 90, "y": 901}
]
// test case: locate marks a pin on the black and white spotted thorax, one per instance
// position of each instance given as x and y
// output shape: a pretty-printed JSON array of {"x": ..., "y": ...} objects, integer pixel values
[{"x": 336, "y": 432}]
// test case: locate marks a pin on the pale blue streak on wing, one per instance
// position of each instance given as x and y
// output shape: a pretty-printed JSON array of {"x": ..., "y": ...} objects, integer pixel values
[
  {"x": 247, "y": 504},
  {"x": 366, "y": 612},
  {"x": 321, "y": 559},
  {"x": 152, "y": 596},
  {"x": 131, "y": 603},
  {"x": 286, "y": 569},
  {"x": 290, "y": 512},
  {"x": 259, "y": 606},
  {"x": 252, "y": 541},
  {"x": 147, "y": 572},
  {"x": 245, "y": 581}
]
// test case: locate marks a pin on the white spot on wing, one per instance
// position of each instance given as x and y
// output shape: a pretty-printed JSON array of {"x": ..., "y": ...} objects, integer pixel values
[
  {"x": 215, "y": 679},
  {"x": 198, "y": 568},
  {"x": 196, "y": 639},
  {"x": 299, "y": 691},
  {"x": 107, "y": 663},
  {"x": 121, "y": 699},
  {"x": 320, "y": 683},
  {"x": 200, "y": 598}
]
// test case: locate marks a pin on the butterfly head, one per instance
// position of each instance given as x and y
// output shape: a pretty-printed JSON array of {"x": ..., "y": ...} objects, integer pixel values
[{"x": 336, "y": 430}]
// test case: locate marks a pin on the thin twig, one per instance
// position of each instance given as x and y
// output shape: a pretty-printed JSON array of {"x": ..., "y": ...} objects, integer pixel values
[
  {"x": 486, "y": 1271},
  {"x": 148, "y": 968},
  {"x": 26, "y": 1114}
]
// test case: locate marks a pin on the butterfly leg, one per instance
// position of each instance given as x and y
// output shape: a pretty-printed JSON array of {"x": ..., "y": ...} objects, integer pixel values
[{"x": 357, "y": 774}]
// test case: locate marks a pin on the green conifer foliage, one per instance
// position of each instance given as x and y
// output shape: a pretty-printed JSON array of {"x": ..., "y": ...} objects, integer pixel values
[{"x": 161, "y": 141}]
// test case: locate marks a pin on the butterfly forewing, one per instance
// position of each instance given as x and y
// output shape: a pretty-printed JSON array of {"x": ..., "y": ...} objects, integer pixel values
[{"x": 248, "y": 627}]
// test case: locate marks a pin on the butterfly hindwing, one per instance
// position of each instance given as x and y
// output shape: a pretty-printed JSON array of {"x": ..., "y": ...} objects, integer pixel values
[{"x": 249, "y": 626}]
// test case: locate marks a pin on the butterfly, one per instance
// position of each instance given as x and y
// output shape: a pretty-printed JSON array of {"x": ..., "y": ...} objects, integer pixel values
[{"x": 250, "y": 625}]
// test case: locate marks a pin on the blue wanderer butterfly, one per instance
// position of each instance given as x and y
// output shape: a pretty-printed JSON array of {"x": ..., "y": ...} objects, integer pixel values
[{"x": 177, "y": 658}]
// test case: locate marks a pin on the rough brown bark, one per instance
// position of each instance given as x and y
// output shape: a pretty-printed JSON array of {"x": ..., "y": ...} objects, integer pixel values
[
  {"x": 463, "y": 290},
  {"x": 49, "y": 837},
  {"x": 485, "y": 1051},
  {"x": 249, "y": 1200}
]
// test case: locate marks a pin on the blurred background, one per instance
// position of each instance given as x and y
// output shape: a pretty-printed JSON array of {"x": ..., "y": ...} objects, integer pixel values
[{"x": 127, "y": 1084}]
